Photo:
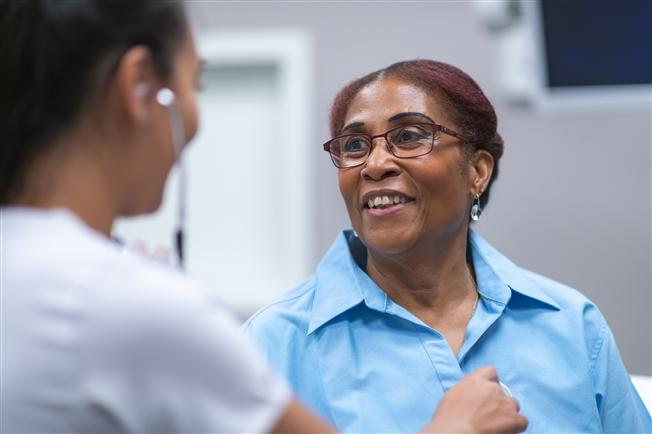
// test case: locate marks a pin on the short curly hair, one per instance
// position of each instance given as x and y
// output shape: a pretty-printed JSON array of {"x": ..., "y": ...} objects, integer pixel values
[{"x": 461, "y": 96}]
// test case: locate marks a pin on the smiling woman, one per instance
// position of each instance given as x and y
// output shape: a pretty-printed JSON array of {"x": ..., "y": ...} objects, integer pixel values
[{"x": 413, "y": 299}]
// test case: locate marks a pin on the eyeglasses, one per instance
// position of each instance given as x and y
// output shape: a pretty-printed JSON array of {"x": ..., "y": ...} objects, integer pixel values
[{"x": 407, "y": 141}]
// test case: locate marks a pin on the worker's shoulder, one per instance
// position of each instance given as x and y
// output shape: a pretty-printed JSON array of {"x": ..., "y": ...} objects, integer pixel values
[{"x": 137, "y": 290}]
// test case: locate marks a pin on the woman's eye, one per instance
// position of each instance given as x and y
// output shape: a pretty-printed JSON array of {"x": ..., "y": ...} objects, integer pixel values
[
  {"x": 355, "y": 145},
  {"x": 412, "y": 134}
]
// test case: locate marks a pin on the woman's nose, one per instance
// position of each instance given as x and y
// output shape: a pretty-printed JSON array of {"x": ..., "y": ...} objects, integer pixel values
[{"x": 381, "y": 163}]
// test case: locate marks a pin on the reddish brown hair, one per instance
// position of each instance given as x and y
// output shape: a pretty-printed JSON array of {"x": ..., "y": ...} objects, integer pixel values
[{"x": 461, "y": 96}]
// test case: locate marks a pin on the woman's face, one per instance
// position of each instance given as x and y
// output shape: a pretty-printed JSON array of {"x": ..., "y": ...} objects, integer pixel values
[{"x": 434, "y": 190}]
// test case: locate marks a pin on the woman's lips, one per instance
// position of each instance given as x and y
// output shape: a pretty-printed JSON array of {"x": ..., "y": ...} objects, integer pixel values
[
  {"x": 385, "y": 202},
  {"x": 384, "y": 198},
  {"x": 386, "y": 211}
]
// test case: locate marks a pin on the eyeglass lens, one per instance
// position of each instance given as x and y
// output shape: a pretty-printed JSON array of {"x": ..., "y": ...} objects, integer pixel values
[{"x": 404, "y": 142}]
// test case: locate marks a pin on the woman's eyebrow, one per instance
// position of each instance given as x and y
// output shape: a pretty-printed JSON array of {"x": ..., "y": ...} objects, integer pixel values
[
  {"x": 391, "y": 119},
  {"x": 398, "y": 116},
  {"x": 353, "y": 125}
]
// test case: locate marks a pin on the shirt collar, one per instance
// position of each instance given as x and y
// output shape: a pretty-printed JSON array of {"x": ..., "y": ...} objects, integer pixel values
[
  {"x": 495, "y": 273},
  {"x": 337, "y": 289},
  {"x": 341, "y": 282}
]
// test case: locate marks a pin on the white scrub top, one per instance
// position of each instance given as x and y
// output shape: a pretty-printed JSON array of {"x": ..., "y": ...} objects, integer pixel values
[{"x": 97, "y": 339}]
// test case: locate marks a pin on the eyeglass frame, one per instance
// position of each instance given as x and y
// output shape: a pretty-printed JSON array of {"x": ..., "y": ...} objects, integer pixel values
[{"x": 436, "y": 127}]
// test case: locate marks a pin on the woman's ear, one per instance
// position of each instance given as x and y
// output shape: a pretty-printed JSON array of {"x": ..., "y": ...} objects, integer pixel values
[
  {"x": 482, "y": 166},
  {"x": 134, "y": 84}
]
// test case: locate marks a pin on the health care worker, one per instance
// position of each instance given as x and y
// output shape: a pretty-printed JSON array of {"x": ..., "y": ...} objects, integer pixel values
[{"x": 97, "y": 100}]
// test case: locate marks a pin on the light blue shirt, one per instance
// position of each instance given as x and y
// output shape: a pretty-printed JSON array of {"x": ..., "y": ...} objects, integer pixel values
[{"x": 366, "y": 364}]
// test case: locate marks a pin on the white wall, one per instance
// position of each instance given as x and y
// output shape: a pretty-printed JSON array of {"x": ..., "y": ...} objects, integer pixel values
[{"x": 248, "y": 227}]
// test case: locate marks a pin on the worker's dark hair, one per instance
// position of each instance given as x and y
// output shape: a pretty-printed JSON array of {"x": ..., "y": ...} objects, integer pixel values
[{"x": 54, "y": 53}]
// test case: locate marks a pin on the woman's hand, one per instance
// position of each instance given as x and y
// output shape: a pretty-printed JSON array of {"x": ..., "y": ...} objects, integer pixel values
[{"x": 477, "y": 404}]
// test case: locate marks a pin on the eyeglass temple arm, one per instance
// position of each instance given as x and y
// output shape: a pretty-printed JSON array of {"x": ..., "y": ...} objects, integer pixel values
[{"x": 450, "y": 132}]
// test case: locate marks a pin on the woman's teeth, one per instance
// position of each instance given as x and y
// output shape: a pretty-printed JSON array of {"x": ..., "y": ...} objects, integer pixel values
[{"x": 385, "y": 201}]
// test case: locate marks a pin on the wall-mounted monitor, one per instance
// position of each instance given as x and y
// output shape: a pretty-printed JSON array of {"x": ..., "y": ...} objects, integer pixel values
[{"x": 590, "y": 53}]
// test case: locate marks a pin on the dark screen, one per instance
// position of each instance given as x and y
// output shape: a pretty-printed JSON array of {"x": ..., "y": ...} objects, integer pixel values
[{"x": 598, "y": 42}]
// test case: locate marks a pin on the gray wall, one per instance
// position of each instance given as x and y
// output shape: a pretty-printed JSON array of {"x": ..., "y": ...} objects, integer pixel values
[{"x": 573, "y": 199}]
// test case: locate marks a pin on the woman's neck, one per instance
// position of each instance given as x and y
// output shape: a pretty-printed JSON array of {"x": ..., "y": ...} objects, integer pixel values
[
  {"x": 71, "y": 178},
  {"x": 431, "y": 277}
]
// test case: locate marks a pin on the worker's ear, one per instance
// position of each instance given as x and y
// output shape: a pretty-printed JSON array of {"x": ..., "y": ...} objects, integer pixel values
[{"x": 134, "y": 83}]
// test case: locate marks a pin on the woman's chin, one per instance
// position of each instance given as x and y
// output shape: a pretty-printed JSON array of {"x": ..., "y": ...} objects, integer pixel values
[{"x": 387, "y": 241}]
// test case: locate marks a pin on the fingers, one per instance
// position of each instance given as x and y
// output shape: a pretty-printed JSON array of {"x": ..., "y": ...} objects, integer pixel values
[
  {"x": 479, "y": 404},
  {"x": 160, "y": 253},
  {"x": 513, "y": 402},
  {"x": 521, "y": 423},
  {"x": 515, "y": 423},
  {"x": 488, "y": 373},
  {"x": 139, "y": 247},
  {"x": 512, "y": 421},
  {"x": 505, "y": 414}
]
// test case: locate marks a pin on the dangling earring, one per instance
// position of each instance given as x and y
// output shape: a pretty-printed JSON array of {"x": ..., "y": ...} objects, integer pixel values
[{"x": 476, "y": 210}]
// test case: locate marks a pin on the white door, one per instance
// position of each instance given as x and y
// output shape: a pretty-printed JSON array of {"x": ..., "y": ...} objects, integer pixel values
[{"x": 248, "y": 220}]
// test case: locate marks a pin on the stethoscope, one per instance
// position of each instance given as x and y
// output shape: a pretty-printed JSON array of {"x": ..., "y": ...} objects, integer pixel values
[
  {"x": 506, "y": 390},
  {"x": 166, "y": 98}
]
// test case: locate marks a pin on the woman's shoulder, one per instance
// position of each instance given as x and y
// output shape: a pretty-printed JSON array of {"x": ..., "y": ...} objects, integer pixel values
[
  {"x": 291, "y": 309},
  {"x": 284, "y": 324},
  {"x": 576, "y": 313},
  {"x": 567, "y": 297},
  {"x": 568, "y": 311},
  {"x": 497, "y": 267}
]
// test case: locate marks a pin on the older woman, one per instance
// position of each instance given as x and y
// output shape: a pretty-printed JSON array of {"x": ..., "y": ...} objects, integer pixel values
[{"x": 401, "y": 308}]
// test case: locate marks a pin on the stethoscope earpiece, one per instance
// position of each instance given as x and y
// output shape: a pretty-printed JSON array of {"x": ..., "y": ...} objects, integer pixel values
[{"x": 165, "y": 97}]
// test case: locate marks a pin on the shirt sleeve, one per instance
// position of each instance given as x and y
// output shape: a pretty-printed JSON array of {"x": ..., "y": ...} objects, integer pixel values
[
  {"x": 621, "y": 408},
  {"x": 174, "y": 361},
  {"x": 259, "y": 336}
]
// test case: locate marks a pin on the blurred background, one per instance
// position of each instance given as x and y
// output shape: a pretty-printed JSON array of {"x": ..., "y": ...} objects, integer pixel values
[{"x": 571, "y": 85}]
